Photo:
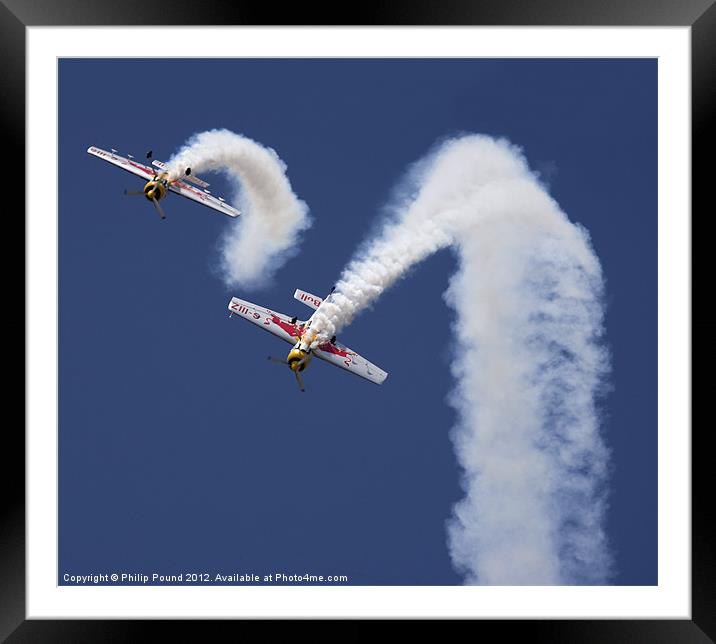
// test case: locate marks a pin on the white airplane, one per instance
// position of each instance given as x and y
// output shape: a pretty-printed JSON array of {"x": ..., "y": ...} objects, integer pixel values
[
  {"x": 299, "y": 334},
  {"x": 158, "y": 182}
]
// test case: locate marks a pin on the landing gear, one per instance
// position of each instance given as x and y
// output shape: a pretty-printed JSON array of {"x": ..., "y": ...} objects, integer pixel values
[
  {"x": 293, "y": 320},
  {"x": 333, "y": 340}
]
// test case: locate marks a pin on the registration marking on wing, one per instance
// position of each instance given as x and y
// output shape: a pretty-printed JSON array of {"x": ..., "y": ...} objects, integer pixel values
[{"x": 239, "y": 308}]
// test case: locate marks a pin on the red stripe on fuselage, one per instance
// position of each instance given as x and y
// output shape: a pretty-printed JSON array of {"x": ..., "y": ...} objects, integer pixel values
[{"x": 296, "y": 331}]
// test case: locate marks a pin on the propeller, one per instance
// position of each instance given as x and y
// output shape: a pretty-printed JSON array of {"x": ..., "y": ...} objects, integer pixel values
[
  {"x": 159, "y": 209},
  {"x": 136, "y": 193},
  {"x": 299, "y": 380}
]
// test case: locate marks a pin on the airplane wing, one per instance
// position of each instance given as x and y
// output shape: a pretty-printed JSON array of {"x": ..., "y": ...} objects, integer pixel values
[
  {"x": 277, "y": 323},
  {"x": 341, "y": 356},
  {"x": 182, "y": 188},
  {"x": 141, "y": 170},
  {"x": 281, "y": 326}
]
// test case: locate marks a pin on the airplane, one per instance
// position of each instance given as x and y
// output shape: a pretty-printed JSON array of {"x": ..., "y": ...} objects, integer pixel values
[
  {"x": 158, "y": 182},
  {"x": 299, "y": 334}
]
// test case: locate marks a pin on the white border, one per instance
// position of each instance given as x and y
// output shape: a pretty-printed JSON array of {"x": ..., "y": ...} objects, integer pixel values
[{"x": 670, "y": 599}]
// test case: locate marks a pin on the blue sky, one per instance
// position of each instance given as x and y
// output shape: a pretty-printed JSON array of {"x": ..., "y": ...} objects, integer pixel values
[{"x": 183, "y": 449}]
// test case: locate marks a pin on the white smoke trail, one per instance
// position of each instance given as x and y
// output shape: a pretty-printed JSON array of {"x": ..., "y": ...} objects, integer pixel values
[
  {"x": 272, "y": 218},
  {"x": 529, "y": 363}
]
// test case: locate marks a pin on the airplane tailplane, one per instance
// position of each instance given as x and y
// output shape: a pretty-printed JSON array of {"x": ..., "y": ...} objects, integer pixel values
[{"x": 308, "y": 299}]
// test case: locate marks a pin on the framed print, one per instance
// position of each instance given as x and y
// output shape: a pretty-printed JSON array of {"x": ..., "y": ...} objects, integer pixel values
[{"x": 483, "y": 214}]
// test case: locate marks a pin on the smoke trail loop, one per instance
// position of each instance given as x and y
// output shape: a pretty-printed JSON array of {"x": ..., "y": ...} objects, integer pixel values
[{"x": 273, "y": 217}]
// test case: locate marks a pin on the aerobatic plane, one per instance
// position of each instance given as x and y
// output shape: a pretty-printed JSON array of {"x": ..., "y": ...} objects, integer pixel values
[
  {"x": 301, "y": 336},
  {"x": 158, "y": 184}
]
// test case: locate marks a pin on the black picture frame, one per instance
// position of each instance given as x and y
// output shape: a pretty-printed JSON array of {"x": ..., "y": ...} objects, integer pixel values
[{"x": 700, "y": 15}]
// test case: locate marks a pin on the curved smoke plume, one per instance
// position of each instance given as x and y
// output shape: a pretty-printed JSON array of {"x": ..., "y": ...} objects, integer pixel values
[
  {"x": 266, "y": 234},
  {"x": 530, "y": 362}
]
